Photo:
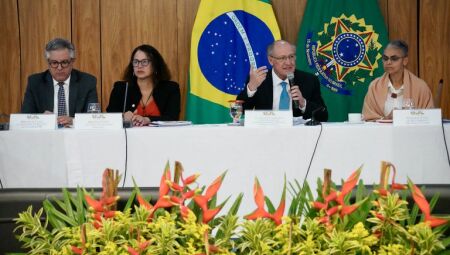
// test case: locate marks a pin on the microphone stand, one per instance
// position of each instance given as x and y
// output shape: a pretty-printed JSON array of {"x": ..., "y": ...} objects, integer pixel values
[
  {"x": 313, "y": 121},
  {"x": 126, "y": 124}
]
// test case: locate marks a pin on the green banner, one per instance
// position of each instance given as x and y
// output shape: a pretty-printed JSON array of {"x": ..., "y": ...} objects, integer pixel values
[{"x": 341, "y": 41}]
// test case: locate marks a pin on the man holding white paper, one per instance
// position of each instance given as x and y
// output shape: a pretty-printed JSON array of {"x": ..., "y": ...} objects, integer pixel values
[
  {"x": 60, "y": 89},
  {"x": 283, "y": 87}
]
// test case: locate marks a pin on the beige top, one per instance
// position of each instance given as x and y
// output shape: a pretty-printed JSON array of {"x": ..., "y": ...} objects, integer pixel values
[{"x": 414, "y": 88}]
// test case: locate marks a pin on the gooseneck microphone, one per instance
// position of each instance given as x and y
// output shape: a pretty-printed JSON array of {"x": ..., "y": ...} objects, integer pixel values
[
  {"x": 291, "y": 77},
  {"x": 126, "y": 124},
  {"x": 313, "y": 121},
  {"x": 125, "y": 98}
]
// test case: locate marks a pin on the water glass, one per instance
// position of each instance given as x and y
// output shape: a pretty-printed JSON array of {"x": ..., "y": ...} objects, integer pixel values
[
  {"x": 236, "y": 110},
  {"x": 408, "y": 104},
  {"x": 93, "y": 108}
]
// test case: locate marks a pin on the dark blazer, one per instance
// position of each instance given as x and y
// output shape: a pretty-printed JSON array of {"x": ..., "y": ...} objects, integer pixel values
[
  {"x": 309, "y": 86},
  {"x": 166, "y": 95},
  {"x": 39, "y": 96}
]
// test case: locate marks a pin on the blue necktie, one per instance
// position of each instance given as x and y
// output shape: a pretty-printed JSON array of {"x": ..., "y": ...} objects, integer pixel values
[
  {"x": 61, "y": 100},
  {"x": 284, "y": 97}
]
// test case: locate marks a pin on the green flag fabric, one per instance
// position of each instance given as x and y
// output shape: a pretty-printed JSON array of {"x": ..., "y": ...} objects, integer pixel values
[
  {"x": 227, "y": 38},
  {"x": 341, "y": 41}
]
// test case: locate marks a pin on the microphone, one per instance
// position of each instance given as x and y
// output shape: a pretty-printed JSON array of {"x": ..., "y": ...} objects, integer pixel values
[
  {"x": 126, "y": 124},
  {"x": 290, "y": 77},
  {"x": 313, "y": 121},
  {"x": 125, "y": 98}
]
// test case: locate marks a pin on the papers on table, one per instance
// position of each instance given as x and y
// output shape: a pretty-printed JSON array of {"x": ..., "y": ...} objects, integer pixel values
[
  {"x": 170, "y": 123},
  {"x": 299, "y": 121}
]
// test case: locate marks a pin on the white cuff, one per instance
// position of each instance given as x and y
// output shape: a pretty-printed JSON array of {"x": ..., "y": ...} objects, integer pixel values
[
  {"x": 303, "y": 108},
  {"x": 250, "y": 93}
]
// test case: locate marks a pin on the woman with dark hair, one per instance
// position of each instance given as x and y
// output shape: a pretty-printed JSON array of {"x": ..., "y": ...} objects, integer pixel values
[
  {"x": 150, "y": 95},
  {"x": 398, "y": 88}
]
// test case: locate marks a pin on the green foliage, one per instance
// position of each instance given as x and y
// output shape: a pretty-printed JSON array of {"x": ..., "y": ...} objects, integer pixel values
[{"x": 380, "y": 224}]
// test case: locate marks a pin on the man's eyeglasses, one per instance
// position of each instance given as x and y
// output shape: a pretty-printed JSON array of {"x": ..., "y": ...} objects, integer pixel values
[
  {"x": 55, "y": 64},
  {"x": 392, "y": 58},
  {"x": 284, "y": 58},
  {"x": 143, "y": 62}
]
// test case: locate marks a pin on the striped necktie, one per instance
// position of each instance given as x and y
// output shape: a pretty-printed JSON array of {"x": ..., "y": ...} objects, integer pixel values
[
  {"x": 284, "y": 97},
  {"x": 61, "y": 100}
]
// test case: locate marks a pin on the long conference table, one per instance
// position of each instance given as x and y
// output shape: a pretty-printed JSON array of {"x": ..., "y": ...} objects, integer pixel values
[{"x": 68, "y": 157}]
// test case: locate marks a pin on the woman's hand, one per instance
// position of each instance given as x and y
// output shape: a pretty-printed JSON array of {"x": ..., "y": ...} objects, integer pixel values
[{"x": 140, "y": 121}]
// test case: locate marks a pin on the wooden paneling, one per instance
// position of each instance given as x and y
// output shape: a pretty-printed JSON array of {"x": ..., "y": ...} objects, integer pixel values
[
  {"x": 435, "y": 47},
  {"x": 384, "y": 11},
  {"x": 106, "y": 31},
  {"x": 186, "y": 12},
  {"x": 402, "y": 19},
  {"x": 10, "y": 59},
  {"x": 86, "y": 38},
  {"x": 126, "y": 24},
  {"x": 289, "y": 14},
  {"x": 40, "y": 21}
]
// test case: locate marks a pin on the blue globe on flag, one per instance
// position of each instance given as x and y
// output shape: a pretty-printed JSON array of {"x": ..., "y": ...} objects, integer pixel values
[{"x": 229, "y": 45}]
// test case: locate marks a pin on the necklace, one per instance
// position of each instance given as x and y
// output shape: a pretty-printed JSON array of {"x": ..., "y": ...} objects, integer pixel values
[{"x": 146, "y": 101}]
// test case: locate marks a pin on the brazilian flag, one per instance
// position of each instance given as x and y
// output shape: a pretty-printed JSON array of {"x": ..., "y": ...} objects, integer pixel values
[
  {"x": 342, "y": 41},
  {"x": 228, "y": 37}
]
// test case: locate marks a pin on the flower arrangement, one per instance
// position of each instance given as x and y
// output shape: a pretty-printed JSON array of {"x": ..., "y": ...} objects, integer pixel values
[{"x": 340, "y": 220}]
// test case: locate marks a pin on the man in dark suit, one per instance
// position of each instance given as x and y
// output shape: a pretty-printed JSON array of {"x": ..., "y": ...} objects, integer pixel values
[
  {"x": 60, "y": 89},
  {"x": 269, "y": 89}
]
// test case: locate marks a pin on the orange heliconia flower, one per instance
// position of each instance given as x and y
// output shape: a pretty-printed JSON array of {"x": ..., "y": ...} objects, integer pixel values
[
  {"x": 260, "y": 211},
  {"x": 202, "y": 200},
  {"x": 424, "y": 206}
]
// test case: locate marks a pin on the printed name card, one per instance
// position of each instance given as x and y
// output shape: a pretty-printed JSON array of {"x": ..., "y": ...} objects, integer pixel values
[
  {"x": 268, "y": 119},
  {"x": 427, "y": 117},
  {"x": 98, "y": 121},
  {"x": 22, "y": 121}
]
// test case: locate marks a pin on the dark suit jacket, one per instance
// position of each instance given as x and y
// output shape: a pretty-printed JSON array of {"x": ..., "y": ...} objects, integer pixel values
[
  {"x": 309, "y": 86},
  {"x": 166, "y": 95},
  {"x": 39, "y": 96}
]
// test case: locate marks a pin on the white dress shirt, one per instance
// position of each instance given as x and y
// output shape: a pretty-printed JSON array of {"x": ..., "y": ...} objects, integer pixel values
[
  {"x": 66, "y": 94},
  {"x": 277, "y": 88}
]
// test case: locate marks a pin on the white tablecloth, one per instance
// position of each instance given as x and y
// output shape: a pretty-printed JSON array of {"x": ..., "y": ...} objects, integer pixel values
[{"x": 68, "y": 157}]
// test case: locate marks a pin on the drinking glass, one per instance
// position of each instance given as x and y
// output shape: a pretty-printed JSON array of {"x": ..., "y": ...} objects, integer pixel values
[
  {"x": 93, "y": 108},
  {"x": 236, "y": 110},
  {"x": 408, "y": 104}
]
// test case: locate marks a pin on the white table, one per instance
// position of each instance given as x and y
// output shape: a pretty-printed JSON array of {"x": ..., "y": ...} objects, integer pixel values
[{"x": 68, "y": 157}]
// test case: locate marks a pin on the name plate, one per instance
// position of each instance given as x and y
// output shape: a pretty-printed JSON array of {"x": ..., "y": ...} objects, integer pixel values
[
  {"x": 268, "y": 119},
  {"x": 98, "y": 121},
  {"x": 22, "y": 121},
  {"x": 427, "y": 117}
]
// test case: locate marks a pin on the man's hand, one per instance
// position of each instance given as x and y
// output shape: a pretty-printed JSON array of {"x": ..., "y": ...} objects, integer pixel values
[
  {"x": 257, "y": 76},
  {"x": 297, "y": 95},
  {"x": 65, "y": 120}
]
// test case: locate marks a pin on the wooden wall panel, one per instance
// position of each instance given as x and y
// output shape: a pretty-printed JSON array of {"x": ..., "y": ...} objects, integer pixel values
[
  {"x": 10, "y": 59},
  {"x": 435, "y": 47},
  {"x": 106, "y": 31},
  {"x": 186, "y": 12},
  {"x": 384, "y": 11},
  {"x": 40, "y": 21},
  {"x": 289, "y": 14},
  {"x": 86, "y": 38},
  {"x": 402, "y": 19},
  {"x": 126, "y": 24}
]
